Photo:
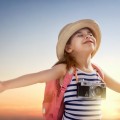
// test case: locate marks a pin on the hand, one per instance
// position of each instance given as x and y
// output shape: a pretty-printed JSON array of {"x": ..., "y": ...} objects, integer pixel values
[{"x": 1, "y": 87}]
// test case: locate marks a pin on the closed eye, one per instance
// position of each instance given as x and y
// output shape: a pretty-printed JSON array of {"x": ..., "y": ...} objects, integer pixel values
[
  {"x": 90, "y": 34},
  {"x": 79, "y": 35}
]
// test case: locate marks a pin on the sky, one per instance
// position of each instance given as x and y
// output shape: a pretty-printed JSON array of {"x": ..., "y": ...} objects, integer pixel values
[{"x": 28, "y": 35}]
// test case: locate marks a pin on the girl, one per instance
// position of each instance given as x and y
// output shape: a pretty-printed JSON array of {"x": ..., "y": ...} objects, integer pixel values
[{"x": 77, "y": 44}]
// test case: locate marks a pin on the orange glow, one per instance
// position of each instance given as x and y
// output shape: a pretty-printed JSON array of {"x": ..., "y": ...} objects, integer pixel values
[
  {"x": 26, "y": 102},
  {"x": 21, "y": 114},
  {"x": 13, "y": 105},
  {"x": 23, "y": 103}
]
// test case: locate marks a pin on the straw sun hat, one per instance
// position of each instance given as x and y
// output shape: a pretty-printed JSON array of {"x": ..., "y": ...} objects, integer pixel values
[{"x": 71, "y": 28}]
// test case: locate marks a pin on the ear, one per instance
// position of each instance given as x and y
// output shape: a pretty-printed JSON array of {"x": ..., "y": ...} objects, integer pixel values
[{"x": 68, "y": 48}]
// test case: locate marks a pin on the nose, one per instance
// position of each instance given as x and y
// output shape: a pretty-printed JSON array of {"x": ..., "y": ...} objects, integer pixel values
[{"x": 87, "y": 36}]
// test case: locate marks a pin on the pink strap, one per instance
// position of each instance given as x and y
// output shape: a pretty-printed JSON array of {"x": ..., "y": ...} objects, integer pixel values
[
  {"x": 99, "y": 71},
  {"x": 66, "y": 82}
]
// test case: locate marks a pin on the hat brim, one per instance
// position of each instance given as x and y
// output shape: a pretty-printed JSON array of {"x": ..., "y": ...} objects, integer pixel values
[{"x": 71, "y": 28}]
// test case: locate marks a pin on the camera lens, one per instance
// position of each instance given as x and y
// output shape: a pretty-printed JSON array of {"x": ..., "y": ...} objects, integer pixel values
[{"x": 98, "y": 90}]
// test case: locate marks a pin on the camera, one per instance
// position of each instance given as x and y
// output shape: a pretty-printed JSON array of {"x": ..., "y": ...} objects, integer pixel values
[{"x": 91, "y": 90}]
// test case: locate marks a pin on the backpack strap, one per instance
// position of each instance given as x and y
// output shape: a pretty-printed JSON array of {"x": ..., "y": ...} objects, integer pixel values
[
  {"x": 99, "y": 71},
  {"x": 67, "y": 79},
  {"x": 66, "y": 82}
]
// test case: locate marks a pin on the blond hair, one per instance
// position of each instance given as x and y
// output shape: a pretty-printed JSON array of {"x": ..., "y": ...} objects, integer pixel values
[{"x": 67, "y": 59}]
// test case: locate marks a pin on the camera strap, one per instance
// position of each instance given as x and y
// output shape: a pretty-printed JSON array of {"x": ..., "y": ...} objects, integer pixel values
[
  {"x": 98, "y": 72},
  {"x": 96, "y": 68}
]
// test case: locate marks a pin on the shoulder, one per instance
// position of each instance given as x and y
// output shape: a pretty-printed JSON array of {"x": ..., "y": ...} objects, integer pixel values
[{"x": 60, "y": 68}]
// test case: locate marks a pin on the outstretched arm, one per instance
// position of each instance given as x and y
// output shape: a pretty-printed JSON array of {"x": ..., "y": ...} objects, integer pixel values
[
  {"x": 111, "y": 83},
  {"x": 57, "y": 72}
]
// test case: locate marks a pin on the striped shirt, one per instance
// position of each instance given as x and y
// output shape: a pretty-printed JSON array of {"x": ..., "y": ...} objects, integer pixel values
[{"x": 80, "y": 107}]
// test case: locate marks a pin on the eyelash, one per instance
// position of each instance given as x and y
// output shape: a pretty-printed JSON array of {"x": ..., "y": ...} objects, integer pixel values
[{"x": 81, "y": 35}]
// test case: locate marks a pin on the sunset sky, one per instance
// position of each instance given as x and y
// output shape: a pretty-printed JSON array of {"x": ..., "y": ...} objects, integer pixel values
[{"x": 28, "y": 37}]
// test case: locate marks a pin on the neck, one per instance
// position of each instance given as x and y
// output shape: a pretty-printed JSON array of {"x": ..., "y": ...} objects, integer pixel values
[{"x": 84, "y": 63}]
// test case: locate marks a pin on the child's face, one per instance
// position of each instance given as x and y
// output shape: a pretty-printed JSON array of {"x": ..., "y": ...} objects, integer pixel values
[{"x": 82, "y": 41}]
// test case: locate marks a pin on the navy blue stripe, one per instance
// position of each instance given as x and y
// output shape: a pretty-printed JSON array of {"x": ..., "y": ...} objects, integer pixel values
[
  {"x": 76, "y": 119},
  {"x": 87, "y": 74},
  {"x": 70, "y": 90},
  {"x": 88, "y": 79},
  {"x": 91, "y": 79},
  {"x": 71, "y": 85},
  {"x": 82, "y": 100},
  {"x": 71, "y": 118},
  {"x": 82, "y": 109},
  {"x": 84, "y": 115},
  {"x": 73, "y": 104},
  {"x": 70, "y": 95},
  {"x": 74, "y": 79}
]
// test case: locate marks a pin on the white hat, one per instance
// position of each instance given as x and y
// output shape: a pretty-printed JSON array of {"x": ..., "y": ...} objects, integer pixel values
[{"x": 71, "y": 28}]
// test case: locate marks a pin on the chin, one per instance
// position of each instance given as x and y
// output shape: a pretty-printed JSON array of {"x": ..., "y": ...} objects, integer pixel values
[{"x": 91, "y": 48}]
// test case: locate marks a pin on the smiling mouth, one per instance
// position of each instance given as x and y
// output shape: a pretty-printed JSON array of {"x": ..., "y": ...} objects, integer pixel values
[{"x": 88, "y": 42}]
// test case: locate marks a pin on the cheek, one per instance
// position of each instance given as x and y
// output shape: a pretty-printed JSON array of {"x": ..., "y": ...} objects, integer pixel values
[
  {"x": 78, "y": 46},
  {"x": 76, "y": 41}
]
